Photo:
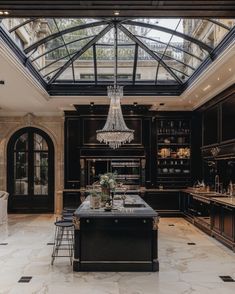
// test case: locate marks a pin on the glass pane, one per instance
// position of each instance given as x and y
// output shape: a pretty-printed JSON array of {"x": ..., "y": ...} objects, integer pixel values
[
  {"x": 40, "y": 173},
  {"x": 40, "y": 143},
  {"x": 146, "y": 67},
  {"x": 21, "y": 173},
  {"x": 22, "y": 142},
  {"x": 84, "y": 67}
]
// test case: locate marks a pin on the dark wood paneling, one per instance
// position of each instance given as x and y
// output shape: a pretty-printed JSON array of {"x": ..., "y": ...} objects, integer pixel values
[
  {"x": 211, "y": 126},
  {"x": 73, "y": 133},
  {"x": 228, "y": 223},
  {"x": 164, "y": 202},
  {"x": 90, "y": 125},
  {"x": 228, "y": 118}
]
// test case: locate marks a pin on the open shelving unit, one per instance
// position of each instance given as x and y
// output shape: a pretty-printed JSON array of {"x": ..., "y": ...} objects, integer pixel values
[{"x": 173, "y": 153}]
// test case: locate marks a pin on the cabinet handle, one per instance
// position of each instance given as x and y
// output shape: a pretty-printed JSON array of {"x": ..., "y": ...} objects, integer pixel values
[
  {"x": 116, "y": 221},
  {"x": 88, "y": 221},
  {"x": 144, "y": 221}
]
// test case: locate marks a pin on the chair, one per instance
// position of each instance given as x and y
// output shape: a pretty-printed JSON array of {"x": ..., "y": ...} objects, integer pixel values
[
  {"x": 3, "y": 207},
  {"x": 63, "y": 240}
]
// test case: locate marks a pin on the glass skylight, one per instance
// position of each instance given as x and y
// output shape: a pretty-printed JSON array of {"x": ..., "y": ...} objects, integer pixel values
[{"x": 150, "y": 51}]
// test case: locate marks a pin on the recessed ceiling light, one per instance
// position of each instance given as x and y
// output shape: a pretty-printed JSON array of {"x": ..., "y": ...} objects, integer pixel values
[
  {"x": 196, "y": 95},
  {"x": 218, "y": 78},
  {"x": 230, "y": 69},
  {"x": 4, "y": 12},
  {"x": 116, "y": 12}
]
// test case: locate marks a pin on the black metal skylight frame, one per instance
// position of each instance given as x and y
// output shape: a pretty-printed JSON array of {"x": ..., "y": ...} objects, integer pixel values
[{"x": 177, "y": 85}]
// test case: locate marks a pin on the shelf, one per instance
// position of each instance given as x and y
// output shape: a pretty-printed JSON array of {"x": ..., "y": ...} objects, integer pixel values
[
  {"x": 171, "y": 158},
  {"x": 173, "y": 134},
  {"x": 173, "y": 144},
  {"x": 188, "y": 175}
]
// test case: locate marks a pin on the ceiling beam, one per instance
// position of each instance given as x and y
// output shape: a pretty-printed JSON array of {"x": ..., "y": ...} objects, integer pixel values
[
  {"x": 74, "y": 8},
  {"x": 63, "y": 32},
  {"x": 169, "y": 31}
]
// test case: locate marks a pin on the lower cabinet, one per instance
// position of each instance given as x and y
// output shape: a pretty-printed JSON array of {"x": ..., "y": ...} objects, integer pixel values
[
  {"x": 216, "y": 215},
  {"x": 166, "y": 203},
  {"x": 228, "y": 222},
  {"x": 71, "y": 199},
  {"x": 223, "y": 223}
]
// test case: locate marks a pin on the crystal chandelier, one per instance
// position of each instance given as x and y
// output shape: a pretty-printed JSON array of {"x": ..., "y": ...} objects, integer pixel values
[{"x": 115, "y": 132}]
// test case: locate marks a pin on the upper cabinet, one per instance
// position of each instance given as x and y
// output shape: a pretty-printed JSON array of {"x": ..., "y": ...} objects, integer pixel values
[
  {"x": 211, "y": 126},
  {"x": 228, "y": 118},
  {"x": 173, "y": 152},
  {"x": 218, "y": 119}
]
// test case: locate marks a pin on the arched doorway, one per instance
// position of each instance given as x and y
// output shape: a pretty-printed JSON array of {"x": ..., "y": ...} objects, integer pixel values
[{"x": 30, "y": 171}]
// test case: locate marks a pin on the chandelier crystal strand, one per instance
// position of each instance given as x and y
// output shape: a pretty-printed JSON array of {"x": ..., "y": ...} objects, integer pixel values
[{"x": 115, "y": 132}]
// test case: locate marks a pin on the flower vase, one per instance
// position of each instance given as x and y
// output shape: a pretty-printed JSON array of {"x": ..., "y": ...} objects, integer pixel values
[
  {"x": 105, "y": 190},
  {"x": 105, "y": 195},
  {"x": 94, "y": 202}
]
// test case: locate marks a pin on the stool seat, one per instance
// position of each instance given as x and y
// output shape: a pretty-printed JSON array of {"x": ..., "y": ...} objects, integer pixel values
[
  {"x": 64, "y": 224},
  {"x": 68, "y": 218}
]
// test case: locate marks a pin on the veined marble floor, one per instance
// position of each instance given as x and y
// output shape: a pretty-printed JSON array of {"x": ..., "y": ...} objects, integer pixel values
[{"x": 183, "y": 268}]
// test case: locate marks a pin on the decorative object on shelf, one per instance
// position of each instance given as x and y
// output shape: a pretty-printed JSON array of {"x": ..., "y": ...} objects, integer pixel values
[{"x": 115, "y": 132}]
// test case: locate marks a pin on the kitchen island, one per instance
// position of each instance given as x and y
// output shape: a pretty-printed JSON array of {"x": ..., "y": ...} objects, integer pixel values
[{"x": 123, "y": 239}]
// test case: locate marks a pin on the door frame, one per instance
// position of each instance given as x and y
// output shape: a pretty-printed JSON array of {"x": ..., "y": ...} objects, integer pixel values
[{"x": 13, "y": 200}]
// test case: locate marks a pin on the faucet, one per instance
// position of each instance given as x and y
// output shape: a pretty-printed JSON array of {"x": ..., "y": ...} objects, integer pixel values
[{"x": 217, "y": 183}]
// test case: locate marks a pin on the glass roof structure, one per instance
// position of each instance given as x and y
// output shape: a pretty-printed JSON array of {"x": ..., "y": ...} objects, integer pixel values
[{"x": 153, "y": 54}]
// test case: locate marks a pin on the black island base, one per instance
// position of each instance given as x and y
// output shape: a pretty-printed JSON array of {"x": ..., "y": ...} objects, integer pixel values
[{"x": 123, "y": 239}]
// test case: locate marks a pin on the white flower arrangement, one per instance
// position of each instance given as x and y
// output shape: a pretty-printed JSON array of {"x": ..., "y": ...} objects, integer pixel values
[{"x": 108, "y": 180}]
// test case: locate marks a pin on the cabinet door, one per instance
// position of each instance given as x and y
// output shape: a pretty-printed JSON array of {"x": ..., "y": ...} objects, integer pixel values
[
  {"x": 210, "y": 126},
  {"x": 71, "y": 200},
  {"x": 164, "y": 202},
  {"x": 72, "y": 156},
  {"x": 228, "y": 119},
  {"x": 216, "y": 217},
  {"x": 228, "y": 223}
]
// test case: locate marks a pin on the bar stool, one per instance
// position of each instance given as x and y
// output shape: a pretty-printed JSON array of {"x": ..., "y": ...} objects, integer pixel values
[{"x": 63, "y": 240}]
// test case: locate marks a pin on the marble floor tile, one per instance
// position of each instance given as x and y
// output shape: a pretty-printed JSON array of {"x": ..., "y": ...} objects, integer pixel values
[{"x": 183, "y": 269}]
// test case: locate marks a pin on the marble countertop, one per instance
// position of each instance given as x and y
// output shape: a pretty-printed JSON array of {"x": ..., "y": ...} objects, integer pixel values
[
  {"x": 118, "y": 210},
  {"x": 230, "y": 201}
]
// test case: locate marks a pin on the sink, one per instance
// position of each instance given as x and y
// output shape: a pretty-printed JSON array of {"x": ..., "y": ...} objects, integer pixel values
[{"x": 134, "y": 205}]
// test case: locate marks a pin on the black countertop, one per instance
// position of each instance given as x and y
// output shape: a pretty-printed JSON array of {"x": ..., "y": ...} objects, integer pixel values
[{"x": 119, "y": 211}]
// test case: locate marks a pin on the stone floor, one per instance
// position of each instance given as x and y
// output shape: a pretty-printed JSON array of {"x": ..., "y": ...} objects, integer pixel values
[{"x": 183, "y": 268}]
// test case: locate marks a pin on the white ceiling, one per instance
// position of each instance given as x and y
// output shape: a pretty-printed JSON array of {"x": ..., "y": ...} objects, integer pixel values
[{"x": 22, "y": 94}]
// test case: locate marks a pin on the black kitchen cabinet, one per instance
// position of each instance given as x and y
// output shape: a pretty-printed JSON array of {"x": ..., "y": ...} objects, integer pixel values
[
  {"x": 164, "y": 202},
  {"x": 228, "y": 222},
  {"x": 211, "y": 126},
  {"x": 173, "y": 152},
  {"x": 216, "y": 217},
  {"x": 71, "y": 199},
  {"x": 71, "y": 157},
  {"x": 228, "y": 118}
]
